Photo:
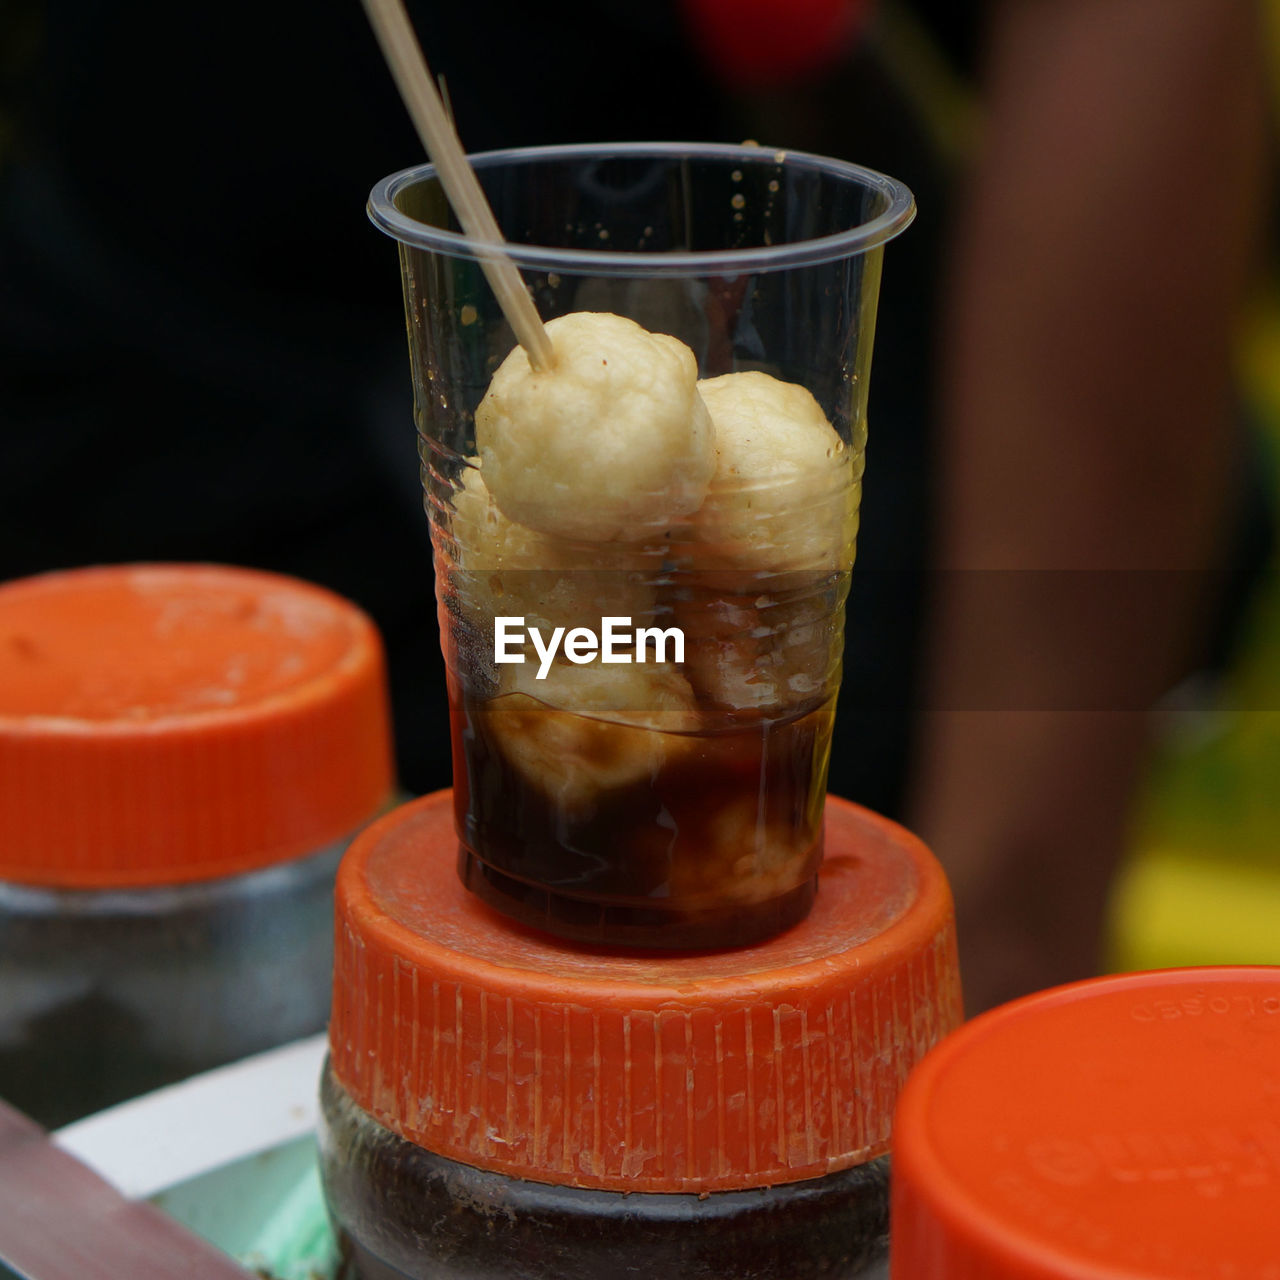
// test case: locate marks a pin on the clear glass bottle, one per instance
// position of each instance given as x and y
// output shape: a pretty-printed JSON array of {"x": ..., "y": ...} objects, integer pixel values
[
  {"x": 184, "y": 753},
  {"x": 500, "y": 1104}
]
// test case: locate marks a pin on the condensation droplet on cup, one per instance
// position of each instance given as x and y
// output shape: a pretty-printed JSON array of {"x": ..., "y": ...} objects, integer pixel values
[
  {"x": 468, "y": 315},
  {"x": 773, "y": 185},
  {"x": 604, "y": 233},
  {"x": 552, "y": 279},
  {"x": 739, "y": 201},
  {"x": 779, "y": 157},
  {"x": 736, "y": 175}
]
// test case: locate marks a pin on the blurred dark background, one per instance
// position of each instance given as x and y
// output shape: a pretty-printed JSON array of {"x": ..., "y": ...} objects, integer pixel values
[{"x": 202, "y": 351}]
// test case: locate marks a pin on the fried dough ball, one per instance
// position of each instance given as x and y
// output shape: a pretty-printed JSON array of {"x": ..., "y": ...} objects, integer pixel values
[
  {"x": 650, "y": 695},
  {"x": 744, "y": 859},
  {"x": 612, "y": 444},
  {"x": 764, "y": 655},
  {"x": 784, "y": 496},
  {"x": 607, "y": 742},
  {"x": 503, "y": 568}
]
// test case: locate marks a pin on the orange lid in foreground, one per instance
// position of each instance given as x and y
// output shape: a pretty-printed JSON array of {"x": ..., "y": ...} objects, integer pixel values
[
  {"x": 512, "y": 1051},
  {"x": 162, "y": 723},
  {"x": 1125, "y": 1127}
]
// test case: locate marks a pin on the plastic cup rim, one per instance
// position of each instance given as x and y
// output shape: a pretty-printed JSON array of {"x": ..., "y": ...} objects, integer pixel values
[{"x": 898, "y": 214}]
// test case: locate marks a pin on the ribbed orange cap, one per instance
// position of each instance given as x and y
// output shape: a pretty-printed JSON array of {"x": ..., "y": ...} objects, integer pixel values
[
  {"x": 1126, "y": 1127},
  {"x": 514, "y": 1052},
  {"x": 165, "y": 723}
]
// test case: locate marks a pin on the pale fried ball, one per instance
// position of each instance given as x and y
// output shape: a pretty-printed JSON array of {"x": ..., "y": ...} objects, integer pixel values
[
  {"x": 612, "y": 443},
  {"x": 652, "y": 695},
  {"x": 748, "y": 860},
  {"x": 784, "y": 495},
  {"x": 764, "y": 655},
  {"x": 608, "y": 740},
  {"x": 502, "y": 568}
]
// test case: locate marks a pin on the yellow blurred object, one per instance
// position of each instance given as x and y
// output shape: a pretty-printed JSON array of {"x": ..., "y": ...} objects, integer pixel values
[
  {"x": 1176, "y": 908},
  {"x": 1202, "y": 883}
]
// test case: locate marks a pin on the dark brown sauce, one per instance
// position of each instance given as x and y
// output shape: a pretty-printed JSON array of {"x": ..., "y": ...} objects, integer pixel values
[
  {"x": 403, "y": 1213},
  {"x": 631, "y": 834}
]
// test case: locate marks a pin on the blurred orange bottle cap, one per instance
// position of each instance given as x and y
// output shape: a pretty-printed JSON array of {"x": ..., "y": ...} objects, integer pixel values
[
  {"x": 512, "y": 1051},
  {"x": 167, "y": 723},
  {"x": 1127, "y": 1127}
]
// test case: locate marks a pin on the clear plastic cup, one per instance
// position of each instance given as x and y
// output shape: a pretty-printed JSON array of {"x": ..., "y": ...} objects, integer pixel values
[{"x": 674, "y": 799}]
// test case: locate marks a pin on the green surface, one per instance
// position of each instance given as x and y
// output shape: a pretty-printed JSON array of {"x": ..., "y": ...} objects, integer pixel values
[{"x": 267, "y": 1211}]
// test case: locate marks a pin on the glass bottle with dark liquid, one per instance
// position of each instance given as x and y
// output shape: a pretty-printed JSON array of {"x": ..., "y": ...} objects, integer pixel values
[
  {"x": 710, "y": 838},
  {"x": 504, "y": 1105}
]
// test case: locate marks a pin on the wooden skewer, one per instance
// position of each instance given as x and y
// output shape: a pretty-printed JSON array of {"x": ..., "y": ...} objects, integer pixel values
[{"x": 408, "y": 67}]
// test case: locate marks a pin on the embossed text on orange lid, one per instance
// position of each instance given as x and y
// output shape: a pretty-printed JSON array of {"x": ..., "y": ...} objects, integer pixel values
[{"x": 1126, "y": 1127}]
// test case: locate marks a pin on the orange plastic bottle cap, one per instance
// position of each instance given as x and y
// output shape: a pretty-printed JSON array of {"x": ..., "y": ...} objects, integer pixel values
[
  {"x": 511, "y": 1051},
  {"x": 164, "y": 723},
  {"x": 1127, "y": 1127}
]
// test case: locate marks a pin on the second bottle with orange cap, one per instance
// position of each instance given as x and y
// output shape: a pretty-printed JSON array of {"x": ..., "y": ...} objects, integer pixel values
[
  {"x": 503, "y": 1104},
  {"x": 184, "y": 753}
]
